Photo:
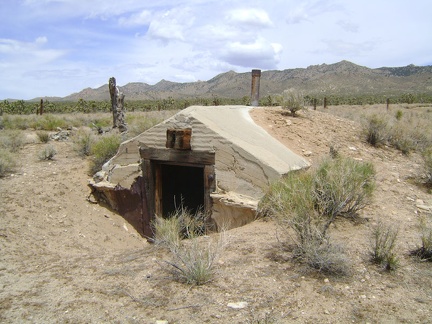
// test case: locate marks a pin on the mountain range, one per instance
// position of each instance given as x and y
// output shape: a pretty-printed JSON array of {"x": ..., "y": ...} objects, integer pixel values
[{"x": 342, "y": 78}]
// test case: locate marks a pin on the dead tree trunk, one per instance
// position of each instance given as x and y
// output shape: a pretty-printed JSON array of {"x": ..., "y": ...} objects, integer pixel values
[{"x": 117, "y": 106}]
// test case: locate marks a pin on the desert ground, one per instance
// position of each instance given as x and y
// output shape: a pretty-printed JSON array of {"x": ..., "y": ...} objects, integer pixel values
[{"x": 64, "y": 259}]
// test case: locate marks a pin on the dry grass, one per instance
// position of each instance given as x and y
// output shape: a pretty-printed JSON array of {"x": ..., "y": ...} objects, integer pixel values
[
  {"x": 383, "y": 246},
  {"x": 193, "y": 256}
]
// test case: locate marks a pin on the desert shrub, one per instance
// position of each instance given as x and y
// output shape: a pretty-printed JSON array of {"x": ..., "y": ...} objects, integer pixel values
[
  {"x": 11, "y": 140},
  {"x": 293, "y": 101},
  {"x": 424, "y": 252},
  {"x": 398, "y": 114},
  {"x": 343, "y": 186},
  {"x": 383, "y": 244},
  {"x": 290, "y": 202},
  {"x": 8, "y": 162},
  {"x": 47, "y": 153},
  {"x": 194, "y": 259},
  {"x": 375, "y": 130},
  {"x": 43, "y": 136},
  {"x": 83, "y": 142},
  {"x": 407, "y": 138},
  {"x": 103, "y": 150},
  {"x": 427, "y": 165}
]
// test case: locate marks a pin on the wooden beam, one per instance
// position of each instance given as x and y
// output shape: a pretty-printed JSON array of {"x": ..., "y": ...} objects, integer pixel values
[{"x": 177, "y": 156}]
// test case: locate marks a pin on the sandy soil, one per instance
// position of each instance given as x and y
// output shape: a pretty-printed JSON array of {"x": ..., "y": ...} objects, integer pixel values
[{"x": 64, "y": 259}]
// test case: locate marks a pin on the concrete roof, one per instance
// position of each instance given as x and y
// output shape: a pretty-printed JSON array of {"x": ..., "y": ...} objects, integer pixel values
[{"x": 248, "y": 159}]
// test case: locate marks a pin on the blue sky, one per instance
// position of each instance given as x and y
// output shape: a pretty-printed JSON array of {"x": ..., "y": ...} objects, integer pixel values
[{"x": 58, "y": 47}]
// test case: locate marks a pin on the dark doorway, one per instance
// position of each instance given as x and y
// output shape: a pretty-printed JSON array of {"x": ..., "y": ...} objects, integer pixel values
[{"x": 182, "y": 186}]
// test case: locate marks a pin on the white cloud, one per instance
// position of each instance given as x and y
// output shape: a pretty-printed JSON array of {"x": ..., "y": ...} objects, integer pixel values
[
  {"x": 260, "y": 54},
  {"x": 171, "y": 24},
  {"x": 307, "y": 10},
  {"x": 249, "y": 17},
  {"x": 348, "y": 26},
  {"x": 137, "y": 19},
  {"x": 32, "y": 51}
]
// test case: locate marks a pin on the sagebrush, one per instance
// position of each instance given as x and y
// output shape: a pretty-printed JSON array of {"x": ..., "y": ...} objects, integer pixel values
[
  {"x": 383, "y": 244},
  {"x": 307, "y": 203}
]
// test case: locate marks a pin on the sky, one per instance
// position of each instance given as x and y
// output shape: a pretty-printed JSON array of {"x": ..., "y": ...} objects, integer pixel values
[{"x": 58, "y": 47}]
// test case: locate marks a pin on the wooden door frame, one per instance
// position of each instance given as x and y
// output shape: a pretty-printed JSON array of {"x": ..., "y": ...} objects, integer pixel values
[{"x": 153, "y": 158}]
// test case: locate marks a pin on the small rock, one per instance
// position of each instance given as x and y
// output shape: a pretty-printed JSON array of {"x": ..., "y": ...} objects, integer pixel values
[
  {"x": 288, "y": 122},
  {"x": 352, "y": 148},
  {"x": 238, "y": 305},
  {"x": 161, "y": 322},
  {"x": 307, "y": 153},
  {"x": 326, "y": 280},
  {"x": 424, "y": 207}
]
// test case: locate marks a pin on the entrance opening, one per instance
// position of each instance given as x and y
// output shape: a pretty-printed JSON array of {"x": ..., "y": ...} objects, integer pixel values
[{"x": 182, "y": 186}]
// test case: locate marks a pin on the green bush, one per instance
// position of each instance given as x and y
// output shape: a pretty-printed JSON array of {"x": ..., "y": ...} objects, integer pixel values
[
  {"x": 424, "y": 252},
  {"x": 43, "y": 136},
  {"x": 383, "y": 245},
  {"x": 308, "y": 202},
  {"x": 343, "y": 186},
  {"x": 103, "y": 150},
  {"x": 8, "y": 162},
  {"x": 293, "y": 101},
  {"x": 376, "y": 130},
  {"x": 399, "y": 114}
]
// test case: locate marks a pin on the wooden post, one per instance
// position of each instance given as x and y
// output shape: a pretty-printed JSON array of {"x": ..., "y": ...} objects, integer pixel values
[
  {"x": 256, "y": 74},
  {"x": 388, "y": 103},
  {"x": 117, "y": 105},
  {"x": 314, "y": 103},
  {"x": 325, "y": 102}
]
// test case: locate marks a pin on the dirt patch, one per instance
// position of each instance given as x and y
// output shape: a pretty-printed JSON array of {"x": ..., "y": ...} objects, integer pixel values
[{"x": 64, "y": 259}]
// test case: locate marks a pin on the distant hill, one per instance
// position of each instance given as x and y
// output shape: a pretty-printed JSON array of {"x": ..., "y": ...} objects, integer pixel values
[{"x": 343, "y": 78}]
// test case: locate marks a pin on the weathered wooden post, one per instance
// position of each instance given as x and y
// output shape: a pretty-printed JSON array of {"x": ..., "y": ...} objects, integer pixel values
[
  {"x": 117, "y": 105},
  {"x": 388, "y": 103},
  {"x": 256, "y": 74},
  {"x": 325, "y": 102},
  {"x": 314, "y": 103}
]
